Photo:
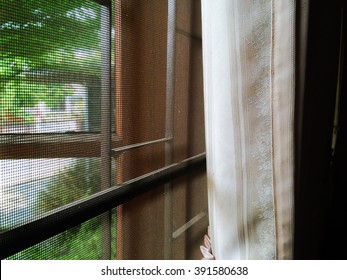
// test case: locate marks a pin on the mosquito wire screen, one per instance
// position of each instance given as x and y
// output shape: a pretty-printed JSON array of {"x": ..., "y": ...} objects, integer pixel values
[
  {"x": 54, "y": 119},
  {"x": 159, "y": 74},
  {"x": 54, "y": 69}
]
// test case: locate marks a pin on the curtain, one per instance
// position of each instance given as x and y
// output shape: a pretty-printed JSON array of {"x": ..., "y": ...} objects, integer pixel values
[{"x": 249, "y": 91}]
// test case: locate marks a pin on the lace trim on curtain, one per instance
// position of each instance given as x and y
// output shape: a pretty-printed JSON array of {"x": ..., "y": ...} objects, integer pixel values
[{"x": 258, "y": 40}]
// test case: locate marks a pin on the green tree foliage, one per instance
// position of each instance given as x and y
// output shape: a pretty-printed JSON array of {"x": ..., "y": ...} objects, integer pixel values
[{"x": 40, "y": 38}]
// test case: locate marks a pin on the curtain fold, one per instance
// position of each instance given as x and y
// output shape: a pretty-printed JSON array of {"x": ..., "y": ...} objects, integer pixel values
[
  {"x": 249, "y": 67},
  {"x": 282, "y": 102}
]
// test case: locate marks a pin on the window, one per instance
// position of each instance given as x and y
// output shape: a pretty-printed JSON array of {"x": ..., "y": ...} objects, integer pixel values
[
  {"x": 55, "y": 74},
  {"x": 129, "y": 81}
]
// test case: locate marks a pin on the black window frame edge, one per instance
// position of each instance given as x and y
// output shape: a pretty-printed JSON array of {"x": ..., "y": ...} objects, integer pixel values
[{"x": 106, "y": 3}]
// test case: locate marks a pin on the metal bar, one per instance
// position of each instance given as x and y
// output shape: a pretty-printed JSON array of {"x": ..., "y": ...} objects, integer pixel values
[
  {"x": 105, "y": 166},
  {"x": 118, "y": 75},
  {"x": 67, "y": 77},
  {"x": 187, "y": 225},
  {"x": 169, "y": 123},
  {"x": 43, "y": 138},
  {"x": 115, "y": 152},
  {"x": 61, "y": 219}
]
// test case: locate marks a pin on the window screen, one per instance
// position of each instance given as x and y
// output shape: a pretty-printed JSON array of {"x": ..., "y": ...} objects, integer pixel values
[
  {"x": 90, "y": 100},
  {"x": 55, "y": 71},
  {"x": 162, "y": 97},
  {"x": 82, "y": 242},
  {"x": 51, "y": 58}
]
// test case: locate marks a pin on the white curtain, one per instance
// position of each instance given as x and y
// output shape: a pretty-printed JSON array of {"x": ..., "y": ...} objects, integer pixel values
[{"x": 249, "y": 67}]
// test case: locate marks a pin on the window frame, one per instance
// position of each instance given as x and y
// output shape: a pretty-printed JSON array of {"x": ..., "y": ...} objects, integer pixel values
[{"x": 114, "y": 146}]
